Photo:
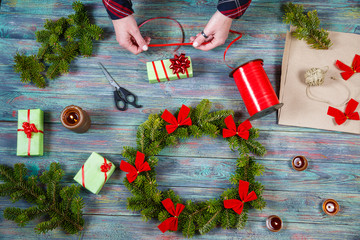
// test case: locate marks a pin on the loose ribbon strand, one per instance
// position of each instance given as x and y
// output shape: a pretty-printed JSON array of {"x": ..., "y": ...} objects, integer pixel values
[{"x": 183, "y": 38}]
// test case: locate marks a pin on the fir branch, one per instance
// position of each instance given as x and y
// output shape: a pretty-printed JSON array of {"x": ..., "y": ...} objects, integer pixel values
[
  {"x": 61, "y": 41},
  {"x": 48, "y": 204},
  {"x": 307, "y": 26}
]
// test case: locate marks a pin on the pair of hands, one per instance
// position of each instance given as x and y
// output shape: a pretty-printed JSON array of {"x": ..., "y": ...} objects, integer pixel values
[{"x": 128, "y": 34}]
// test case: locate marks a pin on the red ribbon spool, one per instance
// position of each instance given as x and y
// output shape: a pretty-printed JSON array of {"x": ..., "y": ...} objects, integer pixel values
[{"x": 255, "y": 89}]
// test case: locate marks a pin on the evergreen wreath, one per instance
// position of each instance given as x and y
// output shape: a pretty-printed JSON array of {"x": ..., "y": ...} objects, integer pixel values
[
  {"x": 231, "y": 208},
  {"x": 61, "y": 205},
  {"x": 61, "y": 41}
]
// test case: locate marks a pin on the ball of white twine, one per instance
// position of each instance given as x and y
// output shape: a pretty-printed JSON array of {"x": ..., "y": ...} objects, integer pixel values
[{"x": 314, "y": 77}]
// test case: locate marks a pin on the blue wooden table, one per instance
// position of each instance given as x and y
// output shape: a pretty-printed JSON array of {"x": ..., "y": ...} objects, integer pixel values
[{"x": 196, "y": 169}]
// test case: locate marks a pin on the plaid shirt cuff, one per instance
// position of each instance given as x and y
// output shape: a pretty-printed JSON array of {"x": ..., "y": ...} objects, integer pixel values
[
  {"x": 118, "y": 9},
  {"x": 233, "y": 8}
]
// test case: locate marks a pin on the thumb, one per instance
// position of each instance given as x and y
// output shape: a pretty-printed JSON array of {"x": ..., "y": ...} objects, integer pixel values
[
  {"x": 140, "y": 41},
  {"x": 200, "y": 39}
]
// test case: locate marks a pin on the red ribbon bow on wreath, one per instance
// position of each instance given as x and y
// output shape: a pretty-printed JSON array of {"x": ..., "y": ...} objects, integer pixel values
[
  {"x": 349, "y": 71},
  {"x": 349, "y": 113},
  {"x": 179, "y": 64},
  {"x": 238, "y": 205},
  {"x": 140, "y": 166},
  {"x": 172, "y": 222},
  {"x": 181, "y": 119},
  {"x": 242, "y": 130}
]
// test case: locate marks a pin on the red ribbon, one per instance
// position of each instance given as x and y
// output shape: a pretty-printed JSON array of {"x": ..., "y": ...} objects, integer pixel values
[
  {"x": 341, "y": 117},
  {"x": 181, "y": 119},
  {"x": 28, "y": 129},
  {"x": 238, "y": 205},
  {"x": 180, "y": 64},
  {"x": 349, "y": 71},
  {"x": 140, "y": 166},
  {"x": 183, "y": 37},
  {"x": 242, "y": 131},
  {"x": 172, "y": 222}
]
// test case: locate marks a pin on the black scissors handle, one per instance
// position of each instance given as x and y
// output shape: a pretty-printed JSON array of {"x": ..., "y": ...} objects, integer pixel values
[{"x": 123, "y": 97}]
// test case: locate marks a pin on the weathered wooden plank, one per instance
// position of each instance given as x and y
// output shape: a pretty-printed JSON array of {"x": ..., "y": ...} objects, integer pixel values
[
  {"x": 111, "y": 139},
  {"x": 293, "y": 207},
  {"x": 321, "y": 176},
  {"x": 132, "y": 227}
]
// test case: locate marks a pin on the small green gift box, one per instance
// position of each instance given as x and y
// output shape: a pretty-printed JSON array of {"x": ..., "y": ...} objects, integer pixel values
[
  {"x": 95, "y": 172},
  {"x": 30, "y": 136},
  {"x": 169, "y": 69}
]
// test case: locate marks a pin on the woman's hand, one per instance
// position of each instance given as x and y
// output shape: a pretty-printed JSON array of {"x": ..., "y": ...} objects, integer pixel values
[
  {"x": 128, "y": 35},
  {"x": 217, "y": 30}
]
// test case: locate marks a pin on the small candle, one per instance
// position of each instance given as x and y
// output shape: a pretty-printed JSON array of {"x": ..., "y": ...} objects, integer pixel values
[
  {"x": 331, "y": 207},
  {"x": 299, "y": 163},
  {"x": 75, "y": 119},
  {"x": 274, "y": 223}
]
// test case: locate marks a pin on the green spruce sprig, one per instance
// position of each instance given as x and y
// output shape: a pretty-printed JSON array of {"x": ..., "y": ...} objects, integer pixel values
[
  {"x": 61, "y": 41},
  {"x": 60, "y": 205},
  {"x": 197, "y": 216},
  {"x": 307, "y": 26}
]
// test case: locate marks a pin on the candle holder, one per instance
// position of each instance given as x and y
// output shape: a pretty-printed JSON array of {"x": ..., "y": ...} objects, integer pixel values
[
  {"x": 299, "y": 163},
  {"x": 331, "y": 207},
  {"x": 274, "y": 223},
  {"x": 75, "y": 119}
]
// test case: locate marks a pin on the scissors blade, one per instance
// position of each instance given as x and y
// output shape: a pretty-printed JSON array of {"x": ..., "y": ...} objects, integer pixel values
[{"x": 109, "y": 77}]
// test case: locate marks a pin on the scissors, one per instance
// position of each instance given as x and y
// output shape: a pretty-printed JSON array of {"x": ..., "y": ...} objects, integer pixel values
[{"x": 122, "y": 96}]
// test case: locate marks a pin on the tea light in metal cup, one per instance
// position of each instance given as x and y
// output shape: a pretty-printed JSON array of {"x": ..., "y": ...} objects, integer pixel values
[
  {"x": 75, "y": 119},
  {"x": 274, "y": 223},
  {"x": 299, "y": 163},
  {"x": 331, "y": 207}
]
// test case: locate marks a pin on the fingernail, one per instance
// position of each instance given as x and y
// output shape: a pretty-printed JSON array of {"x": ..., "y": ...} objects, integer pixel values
[
  {"x": 145, "y": 48},
  {"x": 195, "y": 44}
]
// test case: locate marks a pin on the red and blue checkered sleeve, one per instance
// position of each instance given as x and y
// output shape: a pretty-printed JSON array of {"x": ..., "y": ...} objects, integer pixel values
[
  {"x": 233, "y": 8},
  {"x": 118, "y": 9}
]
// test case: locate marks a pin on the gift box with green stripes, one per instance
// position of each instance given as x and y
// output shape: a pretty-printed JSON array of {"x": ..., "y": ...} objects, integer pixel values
[{"x": 169, "y": 69}]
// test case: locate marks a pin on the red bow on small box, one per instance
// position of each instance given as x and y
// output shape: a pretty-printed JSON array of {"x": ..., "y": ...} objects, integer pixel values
[
  {"x": 140, "y": 166},
  {"x": 28, "y": 129},
  {"x": 349, "y": 71},
  {"x": 242, "y": 131},
  {"x": 172, "y": 222},
  {"x": 105, "y": 167},
  {"x": 181, "y": 119},
  {"x": 179, "y": 63},
  {"x": 349, "y": 113},
  {"x": 238, "y": 205}
]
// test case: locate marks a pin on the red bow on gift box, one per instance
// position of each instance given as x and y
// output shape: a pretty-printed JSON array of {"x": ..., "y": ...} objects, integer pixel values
[
  {"x": 181, "y": 119},
  {"x": 238, "y": 205},
  {"x": 341, "y": 117},
  {"x": 349, "y": 71},
  {"x": 242, "y": 131},
  {"x": 179, "y": 63},
  {"x": 140, "y": 166},
  {"x": 28, "y": 129},
  {"x": 172, "y": 222}
]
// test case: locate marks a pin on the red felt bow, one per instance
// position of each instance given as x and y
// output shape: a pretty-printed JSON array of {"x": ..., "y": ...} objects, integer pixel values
[
  {"x": 28, "y": 129},
  {"x": 179, "y": 63},
  {"x": 172, "y": 222},
  {"x": 140, "y": 166},
  {"x": 238, "y": 205},
  {"x": 349, "y": 71},
  {"x": 242, "y": 130},
  {"x": 349, "y": 113},
  {"x": 181, "y": 119},
  {"x": 105, "y": 167}
]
